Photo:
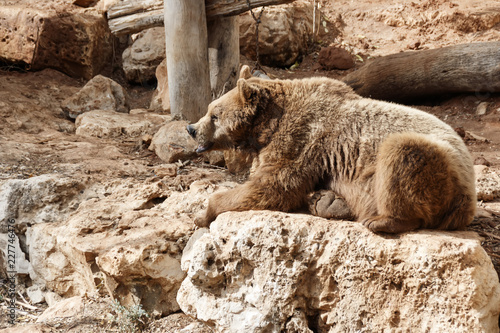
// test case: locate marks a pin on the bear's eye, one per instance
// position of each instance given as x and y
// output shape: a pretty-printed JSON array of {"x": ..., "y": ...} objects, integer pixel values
[{"x": 214, "y": 118}]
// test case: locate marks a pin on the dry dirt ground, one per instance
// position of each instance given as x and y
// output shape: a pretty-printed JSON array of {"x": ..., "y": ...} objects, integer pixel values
[{"x": 36, "y": 137}]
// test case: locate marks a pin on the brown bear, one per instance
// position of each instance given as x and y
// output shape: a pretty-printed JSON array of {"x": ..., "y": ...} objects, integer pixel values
[{"x": 397, "y": 168}]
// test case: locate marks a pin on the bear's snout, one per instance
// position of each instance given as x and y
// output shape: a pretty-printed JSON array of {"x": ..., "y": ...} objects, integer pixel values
[{"x": 191, "y": 131}]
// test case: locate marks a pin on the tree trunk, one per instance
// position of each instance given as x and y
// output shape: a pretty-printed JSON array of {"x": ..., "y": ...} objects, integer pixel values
[
  {"x": 404, "y": 76},
  {"x": 187, "y": 58},
  {"x": 223, "y": 54}
]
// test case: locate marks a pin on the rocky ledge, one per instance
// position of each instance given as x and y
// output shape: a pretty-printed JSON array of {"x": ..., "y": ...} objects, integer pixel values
[{"x": 275, "y": 272}]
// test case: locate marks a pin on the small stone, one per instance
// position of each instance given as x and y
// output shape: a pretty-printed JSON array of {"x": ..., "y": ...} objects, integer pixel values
[
  {"x": 333, "y": 57},
  {"x": 470, "y": 136},
  {"x": 146, "y": 139},
  {"x": 35, "y": 294},
  {"x": 482, "y": 108},
  {"x": 414, "y": 45},
  {"x": 460, "y": 131},
  {"x": 166, "y": 170},
  {"x": 482, "y": 161},
  {"x": 52, "y": 298}
]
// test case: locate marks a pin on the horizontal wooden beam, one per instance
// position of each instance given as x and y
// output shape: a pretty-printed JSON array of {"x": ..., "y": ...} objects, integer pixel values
[
  {"x": 128, "y": 7},
  {"x": 216, "y": 8},
  {"x": 130, "y": 16},
  {"x": 137, "y": 22}
]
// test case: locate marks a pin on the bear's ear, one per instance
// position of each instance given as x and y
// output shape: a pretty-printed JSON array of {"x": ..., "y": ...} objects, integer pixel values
[
  {"x": 245, "y": 72},
  {"x": 249, "y": 92}
]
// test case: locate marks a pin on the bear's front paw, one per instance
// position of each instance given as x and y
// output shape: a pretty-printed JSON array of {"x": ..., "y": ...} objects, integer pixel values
[
  {"x": 204, "y": 220},
  {"x": 201, "y": 221}
]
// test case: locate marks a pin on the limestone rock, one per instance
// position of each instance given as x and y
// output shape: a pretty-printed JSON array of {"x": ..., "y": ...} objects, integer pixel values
[
  {"x": 161, "y": 99},
  {"x": 45, "y": 198},
  {"x": 482, "y": 108},
  {"x": 52, "y": 298},
  {"x": 333, "y": 57},
  {"x": 77, "y": 314},
  {"x": 267, "y": 271},
  {"x": 284, "y": 33},
  {"x": 69, "y": 307},
  {"x": 487, "y": 183},
  {"x": 75, "y": 42},
  {"x": 100, "y": 93},
  {"x": 144, "y": 55},
  {"x": 35, "y": 294},
  {"x": 129, "y": 240},
  {"x": 111, "y": 124},
  {"x": 21, "y": 265},
  {"x": 173, "y": 143}
]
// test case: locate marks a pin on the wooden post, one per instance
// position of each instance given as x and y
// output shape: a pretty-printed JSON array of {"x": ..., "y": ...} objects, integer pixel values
[
  {"x": 187, "y": 58},
  {"x": 223, "y": 54}
]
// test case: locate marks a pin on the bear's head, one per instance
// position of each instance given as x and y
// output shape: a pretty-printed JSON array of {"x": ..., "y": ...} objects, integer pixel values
[{"x": 239, "y": 119}]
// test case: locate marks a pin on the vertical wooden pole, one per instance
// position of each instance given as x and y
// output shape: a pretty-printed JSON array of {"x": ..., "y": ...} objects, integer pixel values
[
  {"x": 187, "y": 58},
  {"x": 223, "y": 54}
]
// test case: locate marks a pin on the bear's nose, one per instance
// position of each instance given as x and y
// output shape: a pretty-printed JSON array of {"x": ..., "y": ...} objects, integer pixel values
[{"x": 191, "y": 131}]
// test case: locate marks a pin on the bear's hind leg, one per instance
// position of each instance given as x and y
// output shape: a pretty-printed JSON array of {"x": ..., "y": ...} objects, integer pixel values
[{"x": 413, "y": 184}]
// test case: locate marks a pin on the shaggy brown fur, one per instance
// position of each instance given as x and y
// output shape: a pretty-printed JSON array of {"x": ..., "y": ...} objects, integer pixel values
[{"x": 397, "y": 168}]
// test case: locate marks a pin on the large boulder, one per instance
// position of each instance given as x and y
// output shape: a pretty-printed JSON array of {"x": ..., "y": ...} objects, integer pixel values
[
  {"x": 40, "y": 199},
  {"x": 100, "y": 93},
  {"x": 284, "y": 33},
  {"x": 126, "y": 240},
  {"x": 275, "y": 272},
  {"x": 145, "y": 54},
  {"x": 60, "y": 36}
]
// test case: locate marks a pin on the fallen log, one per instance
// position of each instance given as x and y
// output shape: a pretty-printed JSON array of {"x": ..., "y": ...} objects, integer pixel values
[
  {"x": 404, "y": 76},
  {"x": 130, "y": 16}
]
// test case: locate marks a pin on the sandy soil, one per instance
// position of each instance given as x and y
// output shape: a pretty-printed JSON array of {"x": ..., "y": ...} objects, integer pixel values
[{"x": 36, "y": 137}]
